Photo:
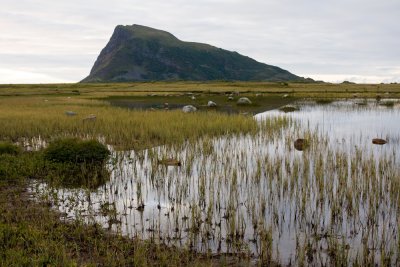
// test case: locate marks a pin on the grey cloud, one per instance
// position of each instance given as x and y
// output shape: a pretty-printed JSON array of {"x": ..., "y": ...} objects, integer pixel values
[{"x": 305, "y": 36}]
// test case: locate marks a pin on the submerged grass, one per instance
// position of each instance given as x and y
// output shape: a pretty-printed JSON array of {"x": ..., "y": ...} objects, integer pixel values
[{"x": 35, "y": 236}]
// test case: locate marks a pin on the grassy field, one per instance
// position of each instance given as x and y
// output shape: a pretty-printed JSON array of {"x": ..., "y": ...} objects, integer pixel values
[
  {"x": 321, "y": 90},
  {"x": 27, "y": 117},
  {"x": 31, "y": 234}
]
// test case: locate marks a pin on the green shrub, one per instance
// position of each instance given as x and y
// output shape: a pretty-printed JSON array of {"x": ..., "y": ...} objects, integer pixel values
[
  {"x": 75, "y": 163},
  {"x": 9, "y": 148},
  {"x": 73, "y": 150}
]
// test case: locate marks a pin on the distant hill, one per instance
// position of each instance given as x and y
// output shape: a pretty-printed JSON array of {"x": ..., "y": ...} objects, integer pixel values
[{"x": 139, "y": 53}]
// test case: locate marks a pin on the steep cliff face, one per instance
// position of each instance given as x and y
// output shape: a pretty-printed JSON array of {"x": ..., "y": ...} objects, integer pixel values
[{"x": 139, "y": 53}]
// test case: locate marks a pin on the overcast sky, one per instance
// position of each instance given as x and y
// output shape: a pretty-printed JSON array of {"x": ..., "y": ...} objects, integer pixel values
[{"x": 46, "y": 41}]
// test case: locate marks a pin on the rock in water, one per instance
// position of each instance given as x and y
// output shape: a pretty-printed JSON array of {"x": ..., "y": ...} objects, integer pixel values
[
  {"x": 189, "y": 108},
  {"x": 289, "y": 108},
  {"x": 211, "y": 104},
  {"x": 244, "y": 101},
  {"x": 300, "y": 144},
  {"x": 378, "y": 141},
  {"x": 169, "y": 162}
]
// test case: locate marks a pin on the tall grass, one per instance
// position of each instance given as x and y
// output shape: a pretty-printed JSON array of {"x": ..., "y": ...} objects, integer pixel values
[{"x": 30, "y": 117}]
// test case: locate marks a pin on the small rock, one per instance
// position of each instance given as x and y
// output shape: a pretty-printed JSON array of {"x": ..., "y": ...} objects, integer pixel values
[
  {"x": 169, "y": 162},
  {"x": 244, "y": 101},
  {"x": 378, "y": 141},
  {"x": 211, "y": 104},
  {"x": 288, "y": 108},
  {"x": 193, "y": 98},
  {"x": 300, "y": 144},
  {"x": 189, "y": 108},
  {"x": 70, "y": 113},
  {"x": 285, "y": 96},
  {"x": 230, "y": 98},
  {"x": 91, "y": 117}
]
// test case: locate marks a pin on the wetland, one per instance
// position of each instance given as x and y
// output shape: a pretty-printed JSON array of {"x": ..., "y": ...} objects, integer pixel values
[{"x": 242, "y": 191}]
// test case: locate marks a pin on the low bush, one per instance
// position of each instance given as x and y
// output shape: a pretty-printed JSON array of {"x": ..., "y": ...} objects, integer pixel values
[
  {"x": 75, "y": 163},
  {"x": 72, "y": 150}
]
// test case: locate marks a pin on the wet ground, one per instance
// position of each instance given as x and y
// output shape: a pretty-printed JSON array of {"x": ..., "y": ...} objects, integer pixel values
[
  {"x": 226, "y": 102},
  {"x": 335, "y": 201}
]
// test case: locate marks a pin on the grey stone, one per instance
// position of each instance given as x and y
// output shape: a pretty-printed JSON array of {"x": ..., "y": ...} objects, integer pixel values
[
  {"x": 189, "y": 108},
  {"x": 244, "y": 101},
  {"x": 211, "y": 104}
]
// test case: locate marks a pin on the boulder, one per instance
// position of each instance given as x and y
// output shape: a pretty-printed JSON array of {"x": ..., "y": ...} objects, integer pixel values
[
  {"x": 211, "y": 104},
  {"x": 244, "y": 101},
  {"x": 378, "y": 141},
  {"x": 189, "y": 108},
  {"x": 300, "y": 144}
]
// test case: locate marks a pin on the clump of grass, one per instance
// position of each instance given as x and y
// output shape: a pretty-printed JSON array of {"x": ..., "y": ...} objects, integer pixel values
[
  {"x": 77, "y": 163},
  {"x": 17, "y": 168},
  {"x": 9, "y": 148},
  {"x": 388, "y": 104},
  {"x": 73, "y": 150},
  {"x": 289, "y": 108},
  {"x": 324, "y": 101}
]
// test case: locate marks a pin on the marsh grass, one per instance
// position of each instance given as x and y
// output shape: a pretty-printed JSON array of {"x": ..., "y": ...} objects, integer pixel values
[
  {"x": 27, "y": 118},
  {"x": 9, "y": 148},
  {"x": 247, "y": 195},
  {"x": 35, "y": 236},
  {"x": 240, "y": 191}
]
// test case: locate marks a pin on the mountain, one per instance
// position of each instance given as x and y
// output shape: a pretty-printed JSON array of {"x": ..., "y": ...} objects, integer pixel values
[{"x": 139, "y": 53}]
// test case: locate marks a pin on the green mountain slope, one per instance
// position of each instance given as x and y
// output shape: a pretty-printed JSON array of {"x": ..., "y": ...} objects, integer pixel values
[{"x": 139, "y": 53}]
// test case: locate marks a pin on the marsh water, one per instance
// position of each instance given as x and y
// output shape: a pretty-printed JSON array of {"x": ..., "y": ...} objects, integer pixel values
[{"x": 256, "y": 195}]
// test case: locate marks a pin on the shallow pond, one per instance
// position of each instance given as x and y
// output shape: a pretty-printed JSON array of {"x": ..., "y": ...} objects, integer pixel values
[
  {"x": 256, "y": 195},
  {"x": 225, "y": 102}
]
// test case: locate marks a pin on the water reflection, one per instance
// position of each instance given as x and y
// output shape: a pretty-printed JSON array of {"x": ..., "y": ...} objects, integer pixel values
[{"x": 257, "y": 195}]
